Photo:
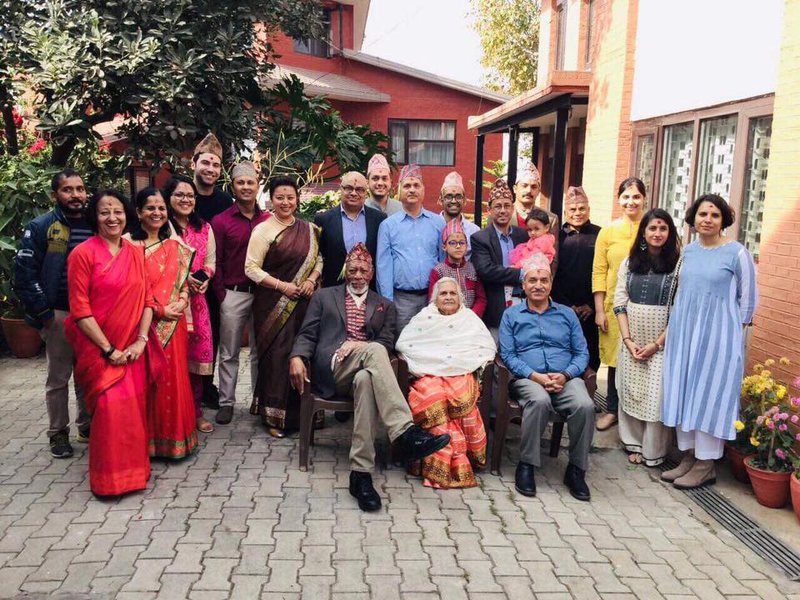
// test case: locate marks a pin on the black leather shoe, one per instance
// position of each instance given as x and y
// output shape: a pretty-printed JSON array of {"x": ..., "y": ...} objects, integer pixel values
[
  {"x": 574, "y": 480},
  {"x": 224, "y": 415},
  {"x": 342, "y": 416},
  {"x": 524, "y": 482},
  {"x": 362, "y": 490},
  {"x": 416, "y": 443}
]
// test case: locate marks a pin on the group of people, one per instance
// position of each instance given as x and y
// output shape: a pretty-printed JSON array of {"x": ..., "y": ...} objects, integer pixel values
[{"x": 143, "y": 299}]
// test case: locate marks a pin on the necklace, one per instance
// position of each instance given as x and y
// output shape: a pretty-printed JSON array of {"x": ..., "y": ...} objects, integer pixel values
[{"x": 289, "y": 224}]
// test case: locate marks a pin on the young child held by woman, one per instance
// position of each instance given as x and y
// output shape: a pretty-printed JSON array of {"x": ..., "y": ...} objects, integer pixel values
[{"x": 540, "y": 242}]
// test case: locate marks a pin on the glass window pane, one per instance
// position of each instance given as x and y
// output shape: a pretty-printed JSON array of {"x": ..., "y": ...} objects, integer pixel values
[
  {"x": 755, "y": 182},
  {"x": 397, "y": 137},
  {"x": 645, "y": 149},
  {"x": 431, "y": 153},
  {"x": 431, "y": 130},
  {"x": 676, "y": 160},
  {"x": 715, "y": 168}
]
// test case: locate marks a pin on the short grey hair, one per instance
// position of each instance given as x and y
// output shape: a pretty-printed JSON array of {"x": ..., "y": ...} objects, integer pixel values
[{"x": 435, "y": 292}]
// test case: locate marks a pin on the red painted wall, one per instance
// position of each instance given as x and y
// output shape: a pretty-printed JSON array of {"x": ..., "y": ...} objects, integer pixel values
[{"x": 412, "y": 98}]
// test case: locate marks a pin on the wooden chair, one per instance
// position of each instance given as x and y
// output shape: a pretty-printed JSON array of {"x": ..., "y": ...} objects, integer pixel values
[
  {"x": 310, "y": 404},
  {"x": 508, "y": 410}
]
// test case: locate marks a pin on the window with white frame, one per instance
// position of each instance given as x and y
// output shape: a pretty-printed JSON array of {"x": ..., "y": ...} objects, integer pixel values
[{"x": 431, "y": 143}]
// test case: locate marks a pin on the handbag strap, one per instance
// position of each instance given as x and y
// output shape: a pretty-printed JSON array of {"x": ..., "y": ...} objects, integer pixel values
[{"x": 673, "y": 288}]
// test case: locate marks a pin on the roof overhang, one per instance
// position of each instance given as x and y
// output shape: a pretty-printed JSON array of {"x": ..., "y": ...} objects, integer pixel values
[
  {"x": 330, "y": 85},
  {"x": 453, "y": 84},
  {"x": 566, "y": 89}
]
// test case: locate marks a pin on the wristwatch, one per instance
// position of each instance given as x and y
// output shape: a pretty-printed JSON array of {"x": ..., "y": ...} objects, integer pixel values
[
  {"x": 107, "y": 353},
  {"x": 659, "y": 346}
]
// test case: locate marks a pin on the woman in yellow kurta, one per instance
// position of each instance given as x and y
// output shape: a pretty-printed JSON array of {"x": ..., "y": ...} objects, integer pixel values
[{"x": 613, "y": 246}]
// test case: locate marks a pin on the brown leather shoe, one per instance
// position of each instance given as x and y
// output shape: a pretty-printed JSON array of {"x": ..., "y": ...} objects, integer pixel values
[
  {"x": 606, "y": 421},
  {"x": 702, "y": 473},
  {"x": 682, "y": 469}
]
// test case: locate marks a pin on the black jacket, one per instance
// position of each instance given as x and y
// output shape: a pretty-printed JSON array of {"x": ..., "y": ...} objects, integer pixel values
[
  {"x": 324, "y": 330},
  {"x": 331, "y": 241},
  {"x": 488, "y": 260}
]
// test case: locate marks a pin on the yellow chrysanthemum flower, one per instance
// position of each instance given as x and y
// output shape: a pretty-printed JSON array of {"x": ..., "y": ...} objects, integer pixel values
[
  {"x": 769, "y": 362},
  {"x": 754, "y": 442},
  {"x": 738, "y": 425},
  {"x": 757, "y": 367},
  {"x": 765, "y": 373},
  {"x": 785, "y": 361},
  {"x": 780, "y": 392}
]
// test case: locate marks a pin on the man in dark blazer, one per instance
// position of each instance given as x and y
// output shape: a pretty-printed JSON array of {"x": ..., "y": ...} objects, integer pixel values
[
  {"x": 490, "y": 250},
  {"x": 345, "y": 339},
  {"x": 346, "y": 225}
]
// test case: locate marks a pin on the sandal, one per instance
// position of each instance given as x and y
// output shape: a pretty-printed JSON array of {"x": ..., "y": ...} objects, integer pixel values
[
  {"x": 276, "y": 433},
  {"x": 204, "y": 425},
  {"x": 635, "y": 458},
  {"x": 606, "y": 422}
]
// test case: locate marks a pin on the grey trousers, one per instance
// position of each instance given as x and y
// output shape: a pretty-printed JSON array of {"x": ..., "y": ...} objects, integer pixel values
[
  {"x": 407, "y": 305},
  {"x": 572, "y": 402},
  {"x": 366, "y": 374},
  {"x": 236, "y": 314},
  {"x": 60, "y": 360}
]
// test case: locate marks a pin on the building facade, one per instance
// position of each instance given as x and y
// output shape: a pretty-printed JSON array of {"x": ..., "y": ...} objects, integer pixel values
[
  {"x": 693, "y": 98},
  {"x": 424, "y": 115}
]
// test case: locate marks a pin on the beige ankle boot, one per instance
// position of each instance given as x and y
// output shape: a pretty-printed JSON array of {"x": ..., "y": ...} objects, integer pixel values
[
  {"x": 682, "y": 469},
  {"x": 700, "y": 474}
]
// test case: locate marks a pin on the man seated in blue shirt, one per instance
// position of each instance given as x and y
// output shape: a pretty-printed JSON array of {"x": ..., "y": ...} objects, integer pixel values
[
  {"x": 542, "y": 344},
  {"x": 409, "y": 246}
]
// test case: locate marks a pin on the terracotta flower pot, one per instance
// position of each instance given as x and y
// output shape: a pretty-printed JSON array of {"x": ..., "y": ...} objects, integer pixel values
[
  {"x": 794, "y": 485},
  {"x": 771, "y": 488},
  {"x": 736, "y": 463},
  {"x": 23, "y": 339}
]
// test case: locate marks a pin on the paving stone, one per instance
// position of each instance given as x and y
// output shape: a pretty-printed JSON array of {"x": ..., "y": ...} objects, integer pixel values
[
  {"x": 283, "y": 576},
  {"x": 176, "y": 585},
  {"x": 216, "y": 574},
  {"x": 145, "y": 577},
  {"x": 416, "y": 576}
]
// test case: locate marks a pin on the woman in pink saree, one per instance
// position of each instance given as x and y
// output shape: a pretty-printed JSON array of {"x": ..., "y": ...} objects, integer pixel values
[
  {"x": 118, "y": 357},
  {"x": 180, "y": 194}
]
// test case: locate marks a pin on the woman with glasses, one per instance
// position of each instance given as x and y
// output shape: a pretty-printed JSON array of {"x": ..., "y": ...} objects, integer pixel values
[
  {"x": 345, "y": 225},
  {"x": 283, "y": 260},
  {"x": 181, "y": 195},
  {"x": 455, "y": 266}
]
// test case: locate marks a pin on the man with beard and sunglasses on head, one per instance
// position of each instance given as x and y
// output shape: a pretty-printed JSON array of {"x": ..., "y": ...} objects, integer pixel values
[{"x": 41, "y": 283}]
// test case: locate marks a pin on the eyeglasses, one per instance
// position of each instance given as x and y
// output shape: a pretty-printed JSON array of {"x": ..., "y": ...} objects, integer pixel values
[
  {"x": 349, "y": 189},
  {"x": 456, "y": 243},
  {"x": 449, "y": 197},
  {"x": 182, "y": 196}
]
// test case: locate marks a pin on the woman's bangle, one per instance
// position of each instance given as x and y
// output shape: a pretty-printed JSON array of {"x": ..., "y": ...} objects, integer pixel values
[
  {"x": 625, "y": 339},
  {"x": 141, "y": 338}
]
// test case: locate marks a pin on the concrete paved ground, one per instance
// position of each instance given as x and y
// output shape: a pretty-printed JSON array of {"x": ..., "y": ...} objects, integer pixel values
[{"x": 239, "y": 520}]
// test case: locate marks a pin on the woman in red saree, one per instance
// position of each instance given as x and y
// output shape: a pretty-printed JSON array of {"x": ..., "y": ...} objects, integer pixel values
[
  {"x": 444, "y": 345},
  {"x": 283, "y": 259},
  {"x": 117, "y": 357},
  {"x": 170, "y": 408}
]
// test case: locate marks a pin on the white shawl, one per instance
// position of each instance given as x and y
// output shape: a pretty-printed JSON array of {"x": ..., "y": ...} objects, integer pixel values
[{"x": 435, "y": 344}]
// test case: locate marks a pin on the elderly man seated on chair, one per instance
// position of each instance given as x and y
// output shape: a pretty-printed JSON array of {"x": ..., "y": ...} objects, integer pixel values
[
  {"x": 542, "y": 344},
  {"x": 346, "y": 338}
]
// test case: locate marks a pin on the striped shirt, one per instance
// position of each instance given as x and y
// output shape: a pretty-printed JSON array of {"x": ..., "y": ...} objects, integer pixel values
[{"x": 79, "y": 232}]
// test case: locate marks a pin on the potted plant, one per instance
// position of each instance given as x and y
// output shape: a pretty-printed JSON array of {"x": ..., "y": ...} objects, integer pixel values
[
  {"x": 740, "y": 448},
  {"x": 772, "y": 464},
  {"x": 794, "y": 488}
]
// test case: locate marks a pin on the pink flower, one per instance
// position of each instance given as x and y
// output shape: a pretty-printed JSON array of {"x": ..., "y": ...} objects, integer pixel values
[
  {"x": 760, "y": 420},
  {"x": 37, "y": 147},
  {"x": 783, "y": 427},
  {"x": 797, "y": 437},
  {"x": 794, "y": 418},
  {"x": 780, "y": 453},
  {"x": 771, "y": 425},
  {"x": 784, "y": 416},
  {"x": 796, "y": 401}
]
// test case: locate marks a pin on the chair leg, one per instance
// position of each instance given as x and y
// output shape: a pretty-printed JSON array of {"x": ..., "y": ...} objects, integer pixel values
[
  {"x": 555, "y": 438},
  {"x": 306, "y": 429}
]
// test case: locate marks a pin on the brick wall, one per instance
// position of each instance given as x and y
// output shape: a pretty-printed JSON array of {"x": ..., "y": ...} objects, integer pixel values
[
  {"x": 608, "y": 127},
  {"x": 776, "y": 330}
]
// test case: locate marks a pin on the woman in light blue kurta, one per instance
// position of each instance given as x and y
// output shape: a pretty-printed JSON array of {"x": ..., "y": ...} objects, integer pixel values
[{"x": 703, "y": 363}]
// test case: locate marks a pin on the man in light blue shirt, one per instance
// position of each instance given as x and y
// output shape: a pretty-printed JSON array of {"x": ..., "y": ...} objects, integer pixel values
[
  {"x": 409, "y": 246},
  {"x": 452, "y": 199},
  {"x": 542, "y": 344}
]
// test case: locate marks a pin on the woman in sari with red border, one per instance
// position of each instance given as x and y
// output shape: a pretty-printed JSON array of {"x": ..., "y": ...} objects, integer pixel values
[
  {"x": 283, "y": 259},
  {"x": 445, "y": 344},
  {"x": 117, "y": 356},
  {"x": 170, "y": 409}
]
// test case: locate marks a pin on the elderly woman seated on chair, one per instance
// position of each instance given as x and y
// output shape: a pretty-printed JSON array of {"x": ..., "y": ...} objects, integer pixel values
[{"x": 444, "y": 345}]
